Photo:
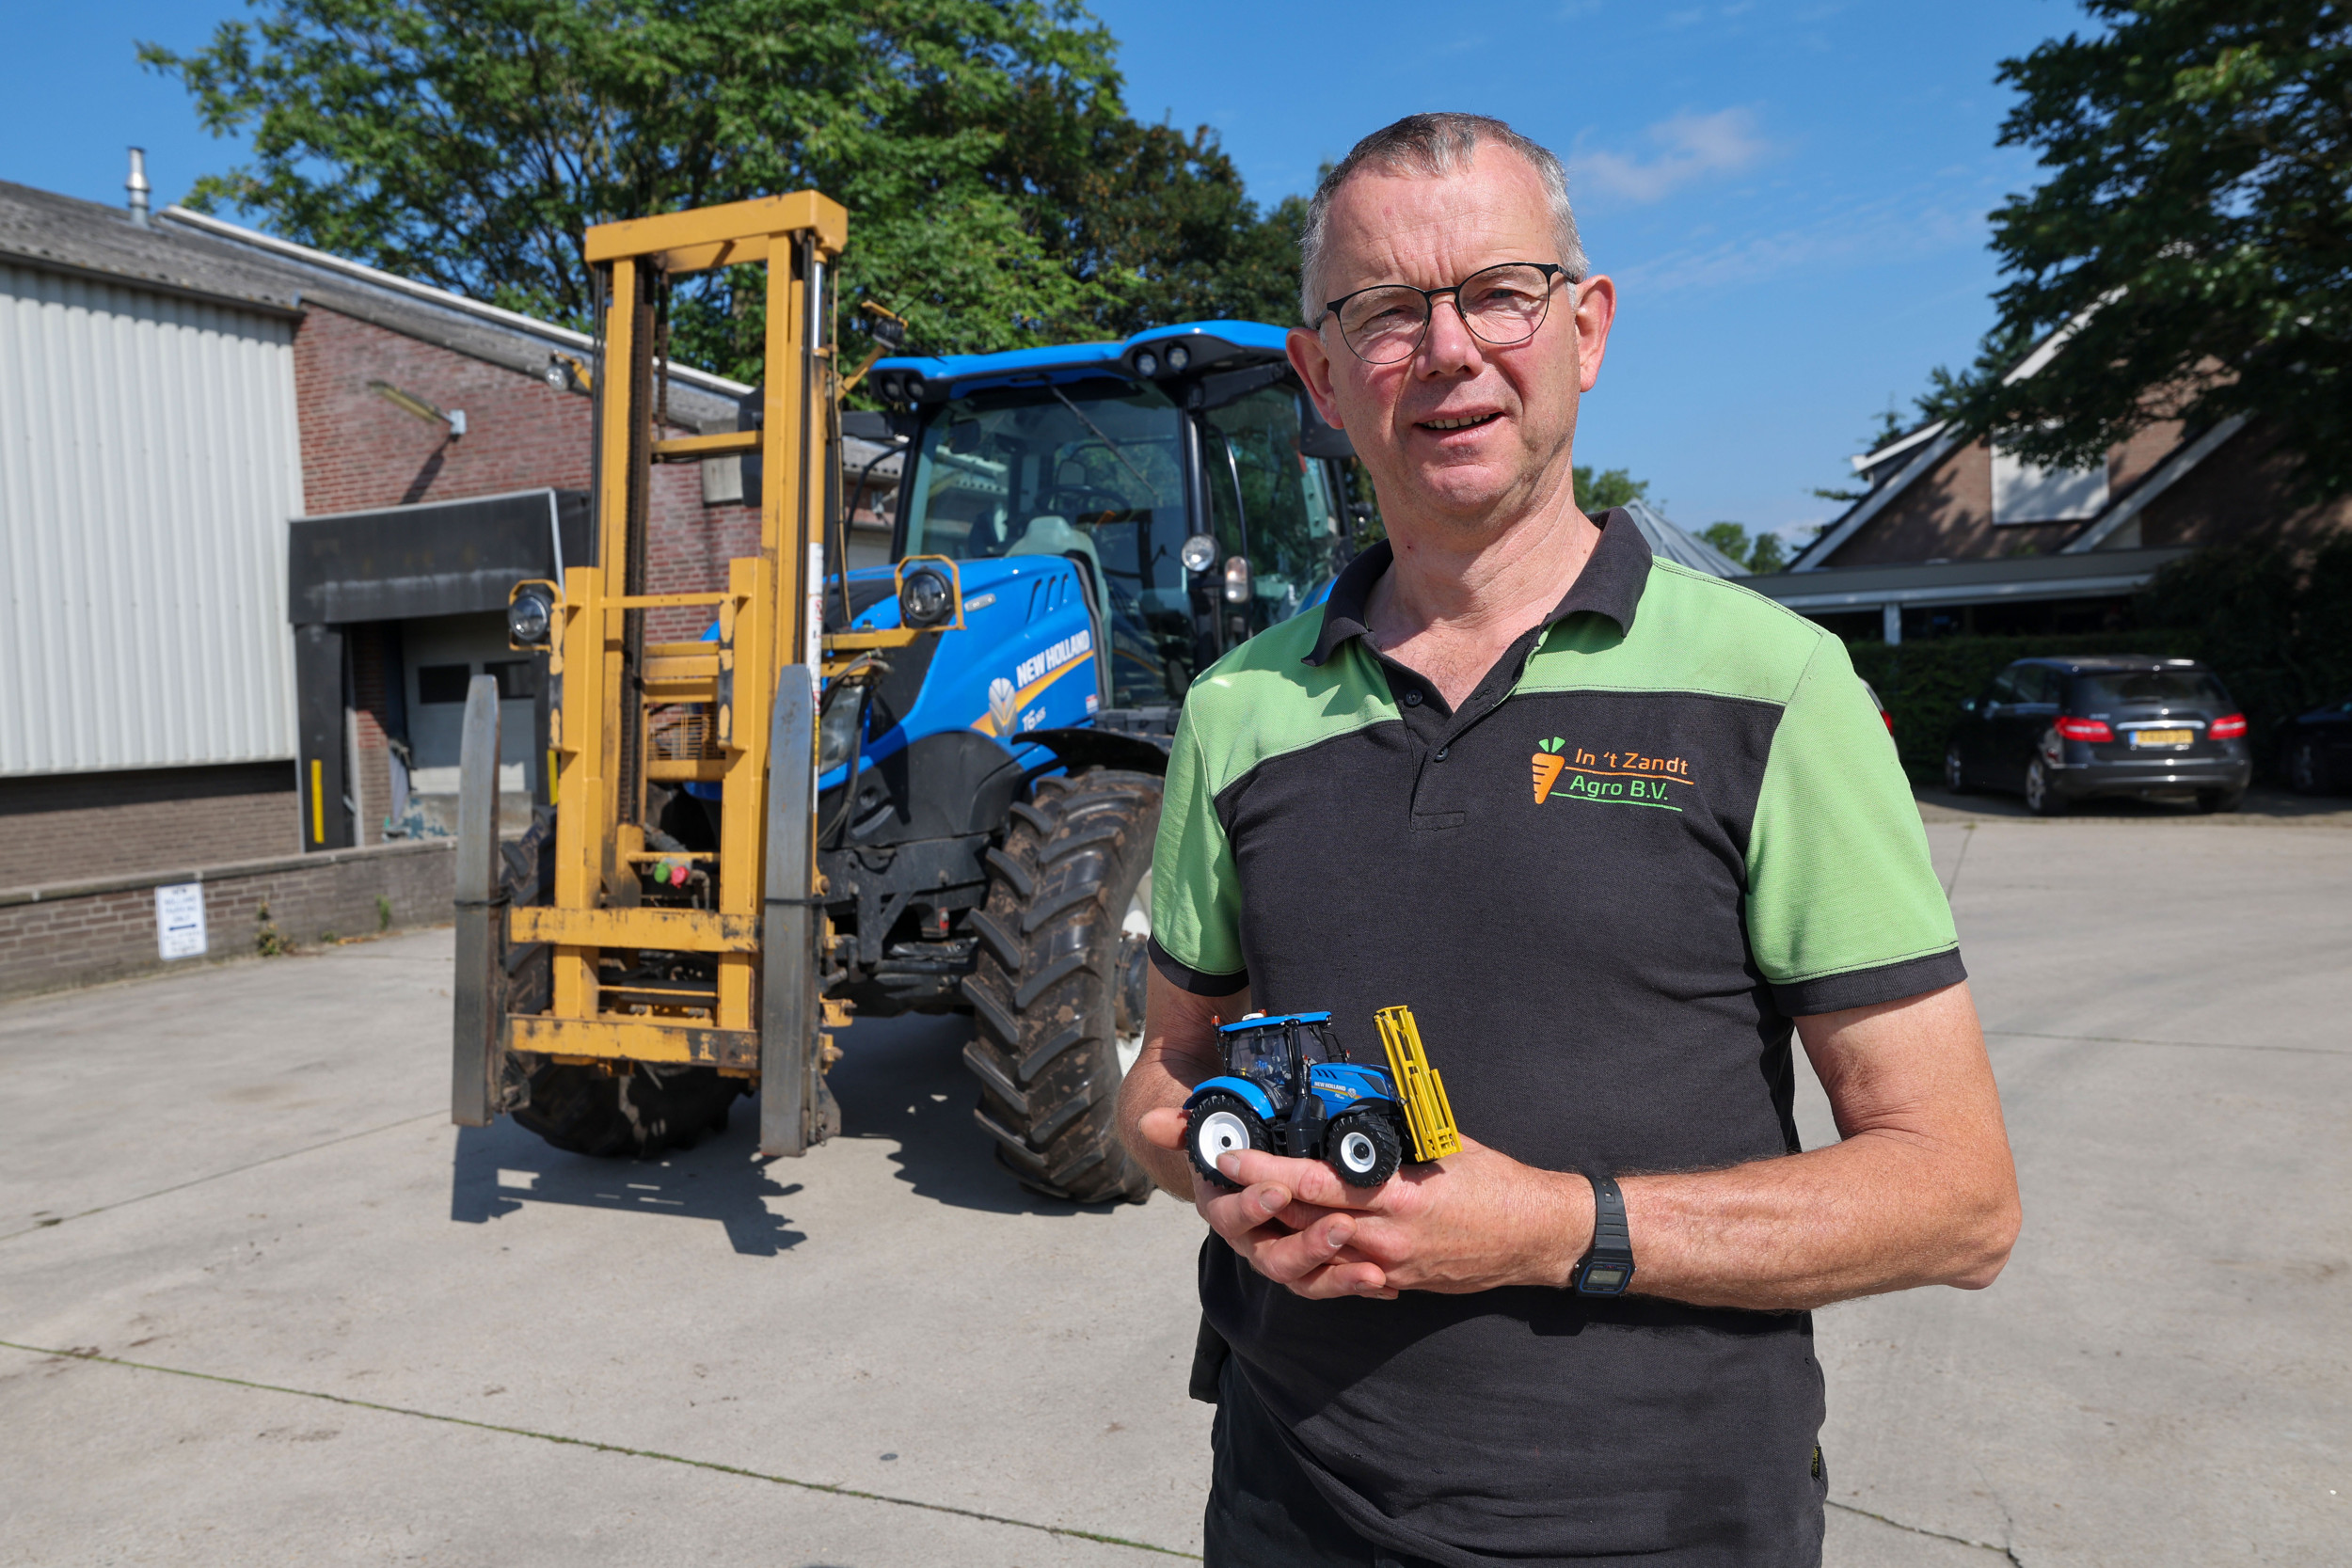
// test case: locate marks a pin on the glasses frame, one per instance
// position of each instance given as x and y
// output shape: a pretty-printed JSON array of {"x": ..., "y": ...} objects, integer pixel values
[{"x": 1429, "y": 303}]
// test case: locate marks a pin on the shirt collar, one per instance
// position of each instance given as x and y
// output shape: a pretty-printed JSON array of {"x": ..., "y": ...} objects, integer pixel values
[{"x": 1610, "y": 585}]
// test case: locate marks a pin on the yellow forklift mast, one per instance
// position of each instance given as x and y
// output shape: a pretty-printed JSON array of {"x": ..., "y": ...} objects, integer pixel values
[{"x": 605, "y": 970}]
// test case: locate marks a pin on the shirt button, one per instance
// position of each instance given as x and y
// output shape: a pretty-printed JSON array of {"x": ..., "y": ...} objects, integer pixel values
[
  {"x": 1440, "y": 754},
  {"x": 1412, "y": 699}
]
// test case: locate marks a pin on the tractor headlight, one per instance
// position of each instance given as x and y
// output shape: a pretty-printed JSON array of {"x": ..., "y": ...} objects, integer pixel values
[
  {"x": 1178, "y": 358},
  {"x": 1199, "y": 553},
  {"x": 530, "y": 614},
  {"x": 926, "y": 598},
  {"x": 836, "y": 732},
  {"x": 1148, "y": 363}
]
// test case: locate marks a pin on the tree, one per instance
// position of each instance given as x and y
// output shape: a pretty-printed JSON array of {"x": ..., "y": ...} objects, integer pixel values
[
  {"x": 1596, "y": 492},
  {"x": 2194, "y": 238},
  {"x": 1765, "y": 552},
  {"x": 994, "y": 176}
]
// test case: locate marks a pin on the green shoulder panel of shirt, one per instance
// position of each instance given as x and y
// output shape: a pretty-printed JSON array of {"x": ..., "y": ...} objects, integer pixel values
[{"x": 1838, "y": 874}]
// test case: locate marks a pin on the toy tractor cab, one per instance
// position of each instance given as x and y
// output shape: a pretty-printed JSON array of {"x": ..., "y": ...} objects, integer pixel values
[{"x": 1289, "y": 1087}]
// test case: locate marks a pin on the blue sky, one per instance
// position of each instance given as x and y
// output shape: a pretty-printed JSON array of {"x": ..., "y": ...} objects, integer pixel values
[{"x": 1791, "y": 198}]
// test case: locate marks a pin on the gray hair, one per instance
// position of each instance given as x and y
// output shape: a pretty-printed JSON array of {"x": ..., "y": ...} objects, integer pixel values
[{"x": 1430, "y": 146}]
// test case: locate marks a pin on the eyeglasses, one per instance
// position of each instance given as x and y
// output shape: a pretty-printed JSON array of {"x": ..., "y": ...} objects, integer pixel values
[{"x": 1500, "y": 305}]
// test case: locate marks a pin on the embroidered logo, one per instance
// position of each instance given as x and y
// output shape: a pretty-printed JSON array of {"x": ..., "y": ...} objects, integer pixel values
[
  {"x": 1548, "y": 765},
  {"x": 1631, "y": 778}
]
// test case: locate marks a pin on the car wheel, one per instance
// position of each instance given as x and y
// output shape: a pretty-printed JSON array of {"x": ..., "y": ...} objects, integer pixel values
[
  {"x": 2211, "y": 801},
  {"x": 2042, "y": 796},
  {"x": 2303, "y": 769},
  {"x": 1955, "y": 772}
]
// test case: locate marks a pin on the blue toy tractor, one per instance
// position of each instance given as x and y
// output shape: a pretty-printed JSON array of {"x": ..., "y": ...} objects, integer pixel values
[
  {"x": 1093, "y": 526},
  {"x": 1288, "y": 1087}
]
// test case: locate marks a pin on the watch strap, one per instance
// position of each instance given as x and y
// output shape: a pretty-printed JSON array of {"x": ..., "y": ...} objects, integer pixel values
[{"x": 1611, "y": 1258}]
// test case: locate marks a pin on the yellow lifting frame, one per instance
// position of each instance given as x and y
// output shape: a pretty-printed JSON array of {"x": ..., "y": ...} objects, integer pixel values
[
  {"x": 1427, "y": 1114},
  {"x": 768, "y": 617}
]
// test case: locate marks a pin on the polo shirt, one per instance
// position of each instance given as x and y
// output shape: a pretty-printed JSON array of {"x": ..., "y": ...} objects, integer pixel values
[{"x": 1668, "y": 822}]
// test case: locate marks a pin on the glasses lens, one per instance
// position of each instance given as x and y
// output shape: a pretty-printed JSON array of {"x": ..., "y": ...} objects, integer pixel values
[
  {"x": 1505, "y": 304},
  {"x": 1384, "y": 325}
]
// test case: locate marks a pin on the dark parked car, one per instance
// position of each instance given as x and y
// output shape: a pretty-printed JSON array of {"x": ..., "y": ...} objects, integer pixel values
[
  {"x": 2060, "y": 730},
  {"x": 2315, "y": 750}
]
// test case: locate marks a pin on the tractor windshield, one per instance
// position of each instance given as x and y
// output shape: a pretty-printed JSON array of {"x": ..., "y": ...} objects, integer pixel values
[{"x": 1091, "y": 470}]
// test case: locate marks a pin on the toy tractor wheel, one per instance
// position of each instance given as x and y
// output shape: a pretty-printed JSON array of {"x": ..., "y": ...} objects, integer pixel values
[
  {"x": 1363, "y": 1147},
  {"x": 1058, "y": 985},
  {"x": 1221, "y": 1125}
]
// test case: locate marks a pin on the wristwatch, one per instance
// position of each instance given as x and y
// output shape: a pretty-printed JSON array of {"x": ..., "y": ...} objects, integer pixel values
[{"x": 1608, "y": 1268}]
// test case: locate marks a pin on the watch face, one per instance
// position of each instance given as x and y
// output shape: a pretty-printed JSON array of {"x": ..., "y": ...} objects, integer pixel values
[{"x": 1604, "y": 1278}]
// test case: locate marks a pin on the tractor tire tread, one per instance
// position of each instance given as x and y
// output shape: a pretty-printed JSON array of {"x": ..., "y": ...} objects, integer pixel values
[{"x": 1044, "y": 1057}]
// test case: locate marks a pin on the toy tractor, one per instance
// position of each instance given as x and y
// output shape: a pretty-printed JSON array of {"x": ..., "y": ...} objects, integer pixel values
[{"x": 1289, "y": 1088}]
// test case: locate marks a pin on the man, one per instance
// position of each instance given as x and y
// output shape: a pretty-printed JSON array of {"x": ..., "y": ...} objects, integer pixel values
[{"x": 1613, "y": 828}]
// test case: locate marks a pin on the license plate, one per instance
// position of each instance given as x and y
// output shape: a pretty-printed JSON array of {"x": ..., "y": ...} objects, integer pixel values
[{"x": 2162, "y": 737}]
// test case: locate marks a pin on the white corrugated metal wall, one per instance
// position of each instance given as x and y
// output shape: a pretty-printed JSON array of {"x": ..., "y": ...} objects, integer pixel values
[{"x": 149, "y": 463}]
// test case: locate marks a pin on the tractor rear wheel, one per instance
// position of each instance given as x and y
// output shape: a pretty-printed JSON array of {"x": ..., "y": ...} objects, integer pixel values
[
  {"x": 1221, "y": 1124},
  {"x": 1057, "y": 988}
]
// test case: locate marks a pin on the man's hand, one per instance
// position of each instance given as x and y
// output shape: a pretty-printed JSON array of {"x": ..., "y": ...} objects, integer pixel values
[{"x": 1474, "y": 1221}]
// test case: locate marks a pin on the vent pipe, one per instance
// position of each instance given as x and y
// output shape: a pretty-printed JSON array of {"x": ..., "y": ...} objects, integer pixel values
[{"x": 137, "y": 186}]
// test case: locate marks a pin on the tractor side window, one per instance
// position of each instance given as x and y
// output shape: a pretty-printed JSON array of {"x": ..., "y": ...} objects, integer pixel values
[
  {"x": 1316, "y": 1043},
  {"x": 1270, "y": 502},
  {"x": 1260, "y": 1054}
]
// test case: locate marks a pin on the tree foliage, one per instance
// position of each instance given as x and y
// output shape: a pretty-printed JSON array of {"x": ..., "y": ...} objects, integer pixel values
[
  {"x": 1000, "y": 194},
  {"x": 1596, "y": 491},
  {"x": 2194, "y": 237},
  {"x": 1760, "y": 553}
]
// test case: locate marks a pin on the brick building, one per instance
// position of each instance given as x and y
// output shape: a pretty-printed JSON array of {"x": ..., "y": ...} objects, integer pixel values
[
  {"x": 1955, "y": 537},
  {"x": 262, "y": 515}
]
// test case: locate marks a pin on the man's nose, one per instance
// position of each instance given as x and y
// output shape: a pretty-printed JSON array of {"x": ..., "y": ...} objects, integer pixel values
[{"x": 1447, "y": 343}]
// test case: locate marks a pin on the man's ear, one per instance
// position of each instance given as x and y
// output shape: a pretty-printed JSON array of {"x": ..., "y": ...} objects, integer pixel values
[{"x": 1314, "y": 368}]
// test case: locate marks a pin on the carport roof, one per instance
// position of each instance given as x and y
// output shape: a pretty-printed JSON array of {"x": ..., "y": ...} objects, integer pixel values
[{"x": 2017, "y": 578}]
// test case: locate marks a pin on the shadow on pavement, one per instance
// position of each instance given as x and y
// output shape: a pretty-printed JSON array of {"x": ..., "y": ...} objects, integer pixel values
[
  {"x": 499, "y": 1169},
  {"x": 904, "y": 1079},
  {"x": 899, "y": 1079},
  {"x": 2263, "y": 804}
]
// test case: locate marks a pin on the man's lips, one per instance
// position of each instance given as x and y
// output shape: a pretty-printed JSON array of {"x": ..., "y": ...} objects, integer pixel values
[{"x": 1447, "y": 424}]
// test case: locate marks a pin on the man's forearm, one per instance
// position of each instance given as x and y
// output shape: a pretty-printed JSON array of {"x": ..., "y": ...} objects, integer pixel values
[{"x": 1922, "y": 1191}]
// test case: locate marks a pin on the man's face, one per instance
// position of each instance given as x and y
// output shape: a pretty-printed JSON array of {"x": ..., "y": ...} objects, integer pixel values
[{"x": 1407, "y": 419}]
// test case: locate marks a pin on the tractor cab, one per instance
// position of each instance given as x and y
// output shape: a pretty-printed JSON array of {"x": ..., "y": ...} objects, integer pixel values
[
  {"x": 1183, "y": 472},
  {"x": 1281, "y": 1054}
]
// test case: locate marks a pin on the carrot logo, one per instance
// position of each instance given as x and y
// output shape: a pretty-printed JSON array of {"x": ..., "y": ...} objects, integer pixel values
[{"x": 1548, "y": 765}]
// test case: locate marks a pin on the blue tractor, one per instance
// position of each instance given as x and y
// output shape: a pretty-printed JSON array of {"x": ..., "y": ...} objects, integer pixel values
[
  {"x": 1289, "y": 1088},
  {"x": 1093, "y": 526}
]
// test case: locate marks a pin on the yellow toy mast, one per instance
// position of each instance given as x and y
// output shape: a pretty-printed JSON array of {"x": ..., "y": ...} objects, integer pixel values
[{"x": 1427, "y": 1115}]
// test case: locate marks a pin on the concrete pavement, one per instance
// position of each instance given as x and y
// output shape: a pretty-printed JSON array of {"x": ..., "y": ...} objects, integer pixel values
[{"x": 376, "y": 1338}]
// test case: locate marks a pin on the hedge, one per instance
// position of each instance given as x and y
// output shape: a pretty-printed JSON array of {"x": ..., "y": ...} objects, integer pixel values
[{"x": 1923, "y": 684}]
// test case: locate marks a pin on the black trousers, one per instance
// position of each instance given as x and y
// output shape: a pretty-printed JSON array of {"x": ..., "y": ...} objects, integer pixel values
[{"x": 1263, "y": 1512}]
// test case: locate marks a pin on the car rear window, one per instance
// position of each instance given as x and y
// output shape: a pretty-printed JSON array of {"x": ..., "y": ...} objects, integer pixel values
[{"x": 2150, "y": 686}]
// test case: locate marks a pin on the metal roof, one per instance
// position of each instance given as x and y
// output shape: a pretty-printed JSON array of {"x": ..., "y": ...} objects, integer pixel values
[{"x": 1684, "y": 549}]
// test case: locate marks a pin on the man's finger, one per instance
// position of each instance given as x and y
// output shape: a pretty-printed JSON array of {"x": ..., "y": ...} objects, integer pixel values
[
  {"x": 1234, "y": 1215},
  {"x": 1312, "y": 1179},
  {"x": 1164, "y": 1126}
]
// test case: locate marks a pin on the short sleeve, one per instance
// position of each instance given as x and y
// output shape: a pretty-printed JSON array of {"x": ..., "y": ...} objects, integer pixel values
[
  {"x": 1844, "y": 909},
  {"x": 1196, "y": 893}
]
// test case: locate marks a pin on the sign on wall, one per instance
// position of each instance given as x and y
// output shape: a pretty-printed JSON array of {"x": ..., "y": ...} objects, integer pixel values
[{"x": 180, "y": 921}]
